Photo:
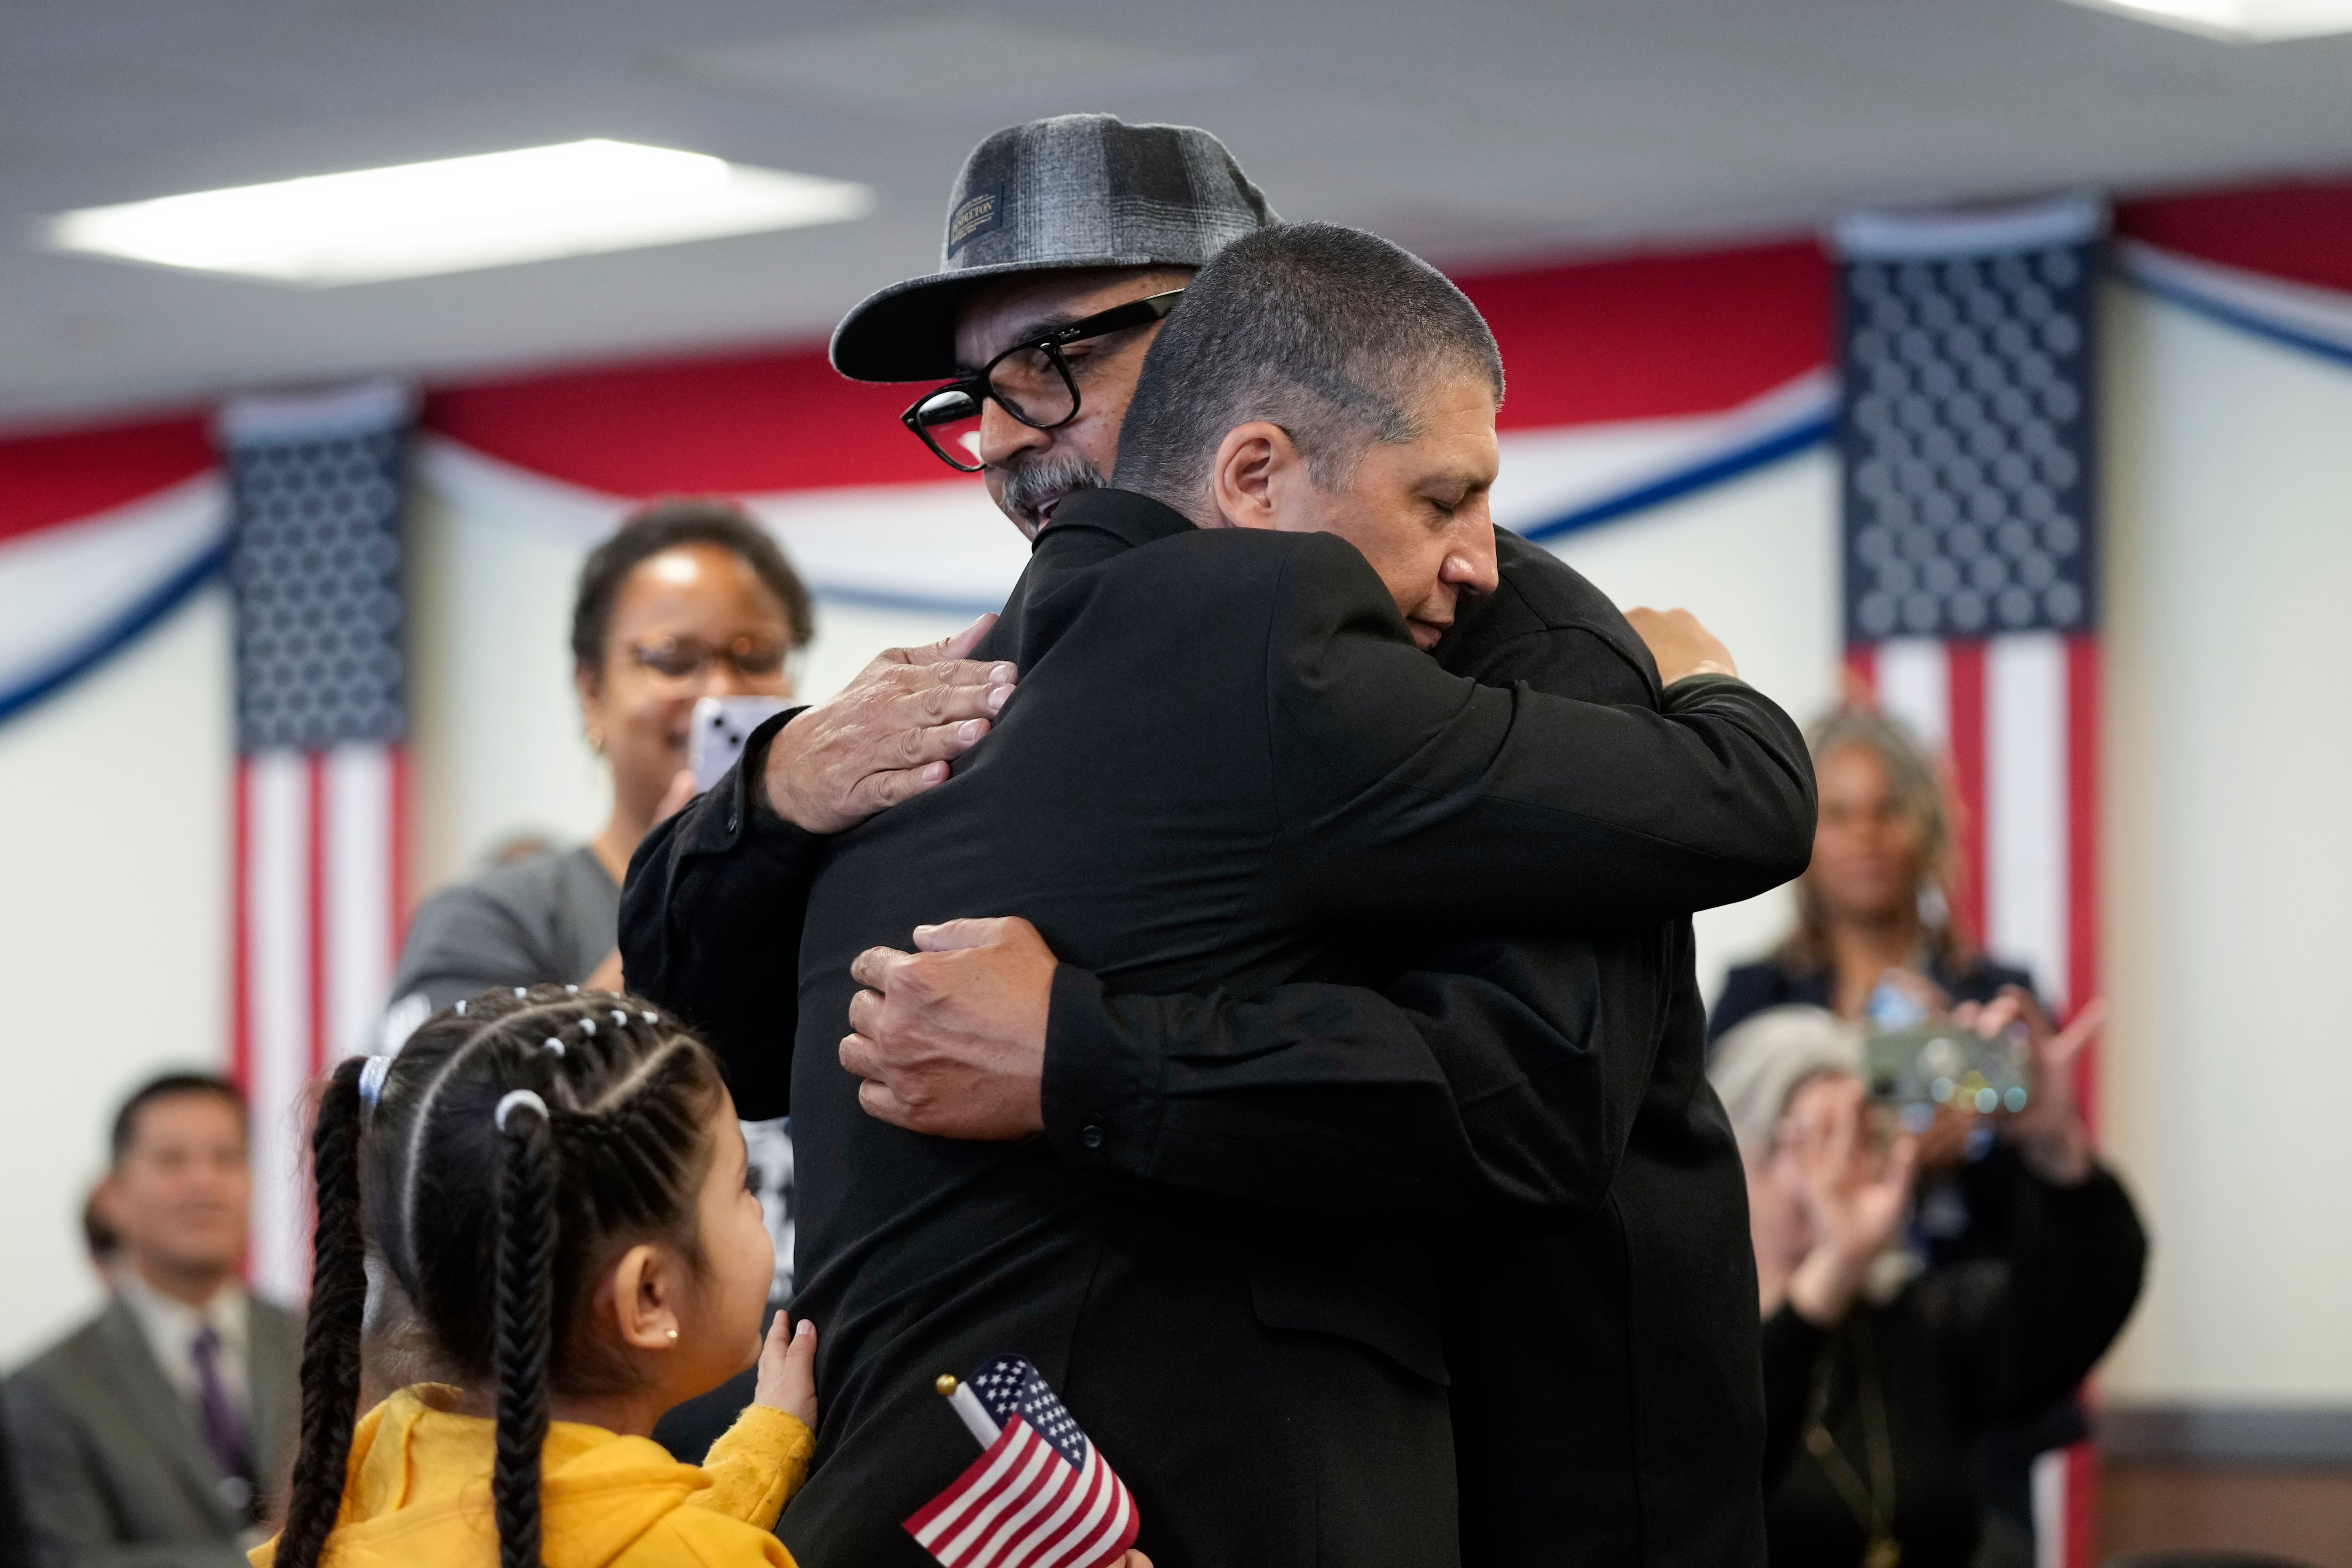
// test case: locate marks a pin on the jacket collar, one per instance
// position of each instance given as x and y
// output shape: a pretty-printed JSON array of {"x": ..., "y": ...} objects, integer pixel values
[
  {"x": 1089, "y": 529},
  {"x": 1134, "y": 520}
]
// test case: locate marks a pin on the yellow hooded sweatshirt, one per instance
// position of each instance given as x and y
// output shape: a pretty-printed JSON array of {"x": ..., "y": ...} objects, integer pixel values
[{"x": 418, "y": 1491}]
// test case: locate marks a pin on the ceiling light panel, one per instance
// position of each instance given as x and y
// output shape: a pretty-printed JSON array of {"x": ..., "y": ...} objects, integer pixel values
[
  {"x": 957, "y": 61},
  {"x": 456, "y": 214},
  {"x": 2239, "y": 21}
]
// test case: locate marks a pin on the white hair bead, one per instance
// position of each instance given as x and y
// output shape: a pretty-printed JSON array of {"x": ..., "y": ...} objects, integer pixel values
[
  {"x": 522, "y": 991},
  {"x": 515, "y": 1097},
  {"x": 552, "y": 1044},
  {"x": 571, "y": 990},
  {"x": 461, "y": 1009},
  {"x": 588, "y": 1028},
  {"x": 622, "y": 1018},
  {"x": 653, "y": 1017}
]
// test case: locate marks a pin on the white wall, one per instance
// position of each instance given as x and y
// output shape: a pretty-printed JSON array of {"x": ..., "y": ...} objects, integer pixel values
[
  {"x": 114, "y": 913},
  {"x": 494, "y": 729},
  {"x": 1757, "y": 561},
  {"x": 2228, "y": 1069}
]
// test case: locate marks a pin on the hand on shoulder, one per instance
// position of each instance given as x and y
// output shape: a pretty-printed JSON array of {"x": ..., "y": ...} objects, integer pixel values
[{"x": 1681, "y": 645}]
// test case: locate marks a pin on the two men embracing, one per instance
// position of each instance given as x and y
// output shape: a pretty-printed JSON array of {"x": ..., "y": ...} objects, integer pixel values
[{"x": 1281, "y": 1028}]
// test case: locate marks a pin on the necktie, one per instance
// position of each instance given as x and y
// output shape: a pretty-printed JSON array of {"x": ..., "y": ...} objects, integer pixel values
[{"x": 224, "y": 1428}]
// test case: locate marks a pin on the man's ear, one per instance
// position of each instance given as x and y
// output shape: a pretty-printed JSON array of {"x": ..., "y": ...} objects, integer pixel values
[
  {"x": 1247, "y": 480},
  {"x": 645, "y": 1285}
]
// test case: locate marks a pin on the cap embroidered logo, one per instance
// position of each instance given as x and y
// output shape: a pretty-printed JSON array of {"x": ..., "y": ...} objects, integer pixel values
[{"x": 973, "y": 218}]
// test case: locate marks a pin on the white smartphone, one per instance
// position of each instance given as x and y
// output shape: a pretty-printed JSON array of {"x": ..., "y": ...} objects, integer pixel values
[{"x": 715, "y": 735}]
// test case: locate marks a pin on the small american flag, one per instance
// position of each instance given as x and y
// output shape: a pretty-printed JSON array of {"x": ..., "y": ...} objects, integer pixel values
[{"x": 1039, "y": 1496}]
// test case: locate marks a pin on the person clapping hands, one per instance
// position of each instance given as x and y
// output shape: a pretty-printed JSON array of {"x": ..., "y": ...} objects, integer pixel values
[{"x": 1880, "y": 1370}]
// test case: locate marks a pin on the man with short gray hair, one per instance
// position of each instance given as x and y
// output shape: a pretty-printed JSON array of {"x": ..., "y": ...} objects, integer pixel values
[{"x": 1268, "y": 339}]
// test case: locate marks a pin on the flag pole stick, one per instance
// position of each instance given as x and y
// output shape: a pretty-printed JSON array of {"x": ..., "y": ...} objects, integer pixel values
[{"x": 968, "y": 1408}]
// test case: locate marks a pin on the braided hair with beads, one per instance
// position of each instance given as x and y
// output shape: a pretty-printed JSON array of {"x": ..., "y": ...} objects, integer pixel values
[{"x": 581, "y": 1115}]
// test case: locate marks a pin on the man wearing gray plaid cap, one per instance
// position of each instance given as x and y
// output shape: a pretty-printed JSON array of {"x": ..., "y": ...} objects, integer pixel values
[{"x": 1068, "y": 241}]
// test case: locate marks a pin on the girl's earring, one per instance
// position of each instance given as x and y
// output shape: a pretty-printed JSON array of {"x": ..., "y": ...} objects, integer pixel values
[
  {"x": 596, "y": 741},
  {"x": 673, "y": 1335}
]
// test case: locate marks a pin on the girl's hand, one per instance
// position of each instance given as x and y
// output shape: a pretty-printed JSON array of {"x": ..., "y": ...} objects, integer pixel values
[
  {"x": 1135, "y": 1559},
  {"x": 788, "y": 1370}
]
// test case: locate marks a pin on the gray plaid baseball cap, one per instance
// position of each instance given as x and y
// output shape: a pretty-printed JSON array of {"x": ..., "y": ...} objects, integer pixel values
[{"x": 1076, "y": 191}]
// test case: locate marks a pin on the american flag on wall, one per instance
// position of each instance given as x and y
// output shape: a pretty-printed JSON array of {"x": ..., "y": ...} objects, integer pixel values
[
  {"x": 1971, "y": 594},
  {"x": 317, "y": 486},
  {"x": 1039, "y": 1496}
]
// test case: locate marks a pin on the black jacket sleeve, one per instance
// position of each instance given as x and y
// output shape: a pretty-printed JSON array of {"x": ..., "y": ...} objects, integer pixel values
[
  {"x": 1504, "y": 1076},
  {"x": 1491, "y": 1077},
  {"x": 2022, "y": 1331},
  {"x": 710, "y": 925},
  {"x": 2013, "y": 1333},
  {"x": 1407, "y": 794},
  {"x": 1493, "y": 1074}
]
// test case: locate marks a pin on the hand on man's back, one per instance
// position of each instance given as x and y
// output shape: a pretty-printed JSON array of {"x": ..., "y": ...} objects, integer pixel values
[
  {"x": 1680, "y": 644},
  {"x": 886, "y": 735},
  {"x": 951, "y": 1041}
]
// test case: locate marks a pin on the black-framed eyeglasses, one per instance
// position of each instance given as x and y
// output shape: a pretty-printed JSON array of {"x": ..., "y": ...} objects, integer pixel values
[
  {"x": 680, "y": 659},
  {"x": 1030, "y": 380}
]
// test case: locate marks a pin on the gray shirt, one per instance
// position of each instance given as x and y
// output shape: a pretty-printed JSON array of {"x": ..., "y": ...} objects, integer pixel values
[{"x": 550, "y": 920}]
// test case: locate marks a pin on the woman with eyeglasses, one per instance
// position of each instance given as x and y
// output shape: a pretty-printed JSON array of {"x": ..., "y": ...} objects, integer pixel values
[{"x": 689, "y": 599}]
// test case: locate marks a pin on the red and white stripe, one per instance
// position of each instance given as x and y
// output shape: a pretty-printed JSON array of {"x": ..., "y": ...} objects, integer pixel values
[
  {"x": 2018, "y": 717},
  {"x": 1020, "y": 1505},
  {"x": 320, "y": 889}
]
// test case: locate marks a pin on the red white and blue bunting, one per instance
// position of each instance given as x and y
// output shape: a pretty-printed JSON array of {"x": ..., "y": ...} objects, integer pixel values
[{"x": 1634, "y": 383}]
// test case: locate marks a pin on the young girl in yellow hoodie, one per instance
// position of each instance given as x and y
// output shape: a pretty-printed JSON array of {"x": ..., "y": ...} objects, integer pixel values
[{"x": 555, "y": 1180}]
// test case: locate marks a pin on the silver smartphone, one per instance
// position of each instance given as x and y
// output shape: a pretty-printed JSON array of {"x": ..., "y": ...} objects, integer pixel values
[{"x": 715, "y": 735}]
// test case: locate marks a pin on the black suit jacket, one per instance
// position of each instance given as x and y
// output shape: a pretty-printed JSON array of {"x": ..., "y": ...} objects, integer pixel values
[
  {"x": 1225, "y": 763},
  {"x": 1545, "y": 1096}
]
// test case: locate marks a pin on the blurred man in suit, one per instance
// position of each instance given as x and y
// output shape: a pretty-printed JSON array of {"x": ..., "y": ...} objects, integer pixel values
[{"x": 160, "y": 1431}]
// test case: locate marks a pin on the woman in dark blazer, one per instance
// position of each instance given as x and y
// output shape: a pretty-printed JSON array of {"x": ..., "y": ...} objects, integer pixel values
[{"x": 1877, "y": 896}]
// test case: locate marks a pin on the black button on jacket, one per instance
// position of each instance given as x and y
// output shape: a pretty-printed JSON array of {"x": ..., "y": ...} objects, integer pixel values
[{"x": 1226, "y": 764}]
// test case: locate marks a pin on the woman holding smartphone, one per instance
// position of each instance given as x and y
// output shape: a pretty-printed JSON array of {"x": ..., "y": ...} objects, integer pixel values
[
  {"x": 689, "y": 599},
  {"x": 1883, "y": 1372}
]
